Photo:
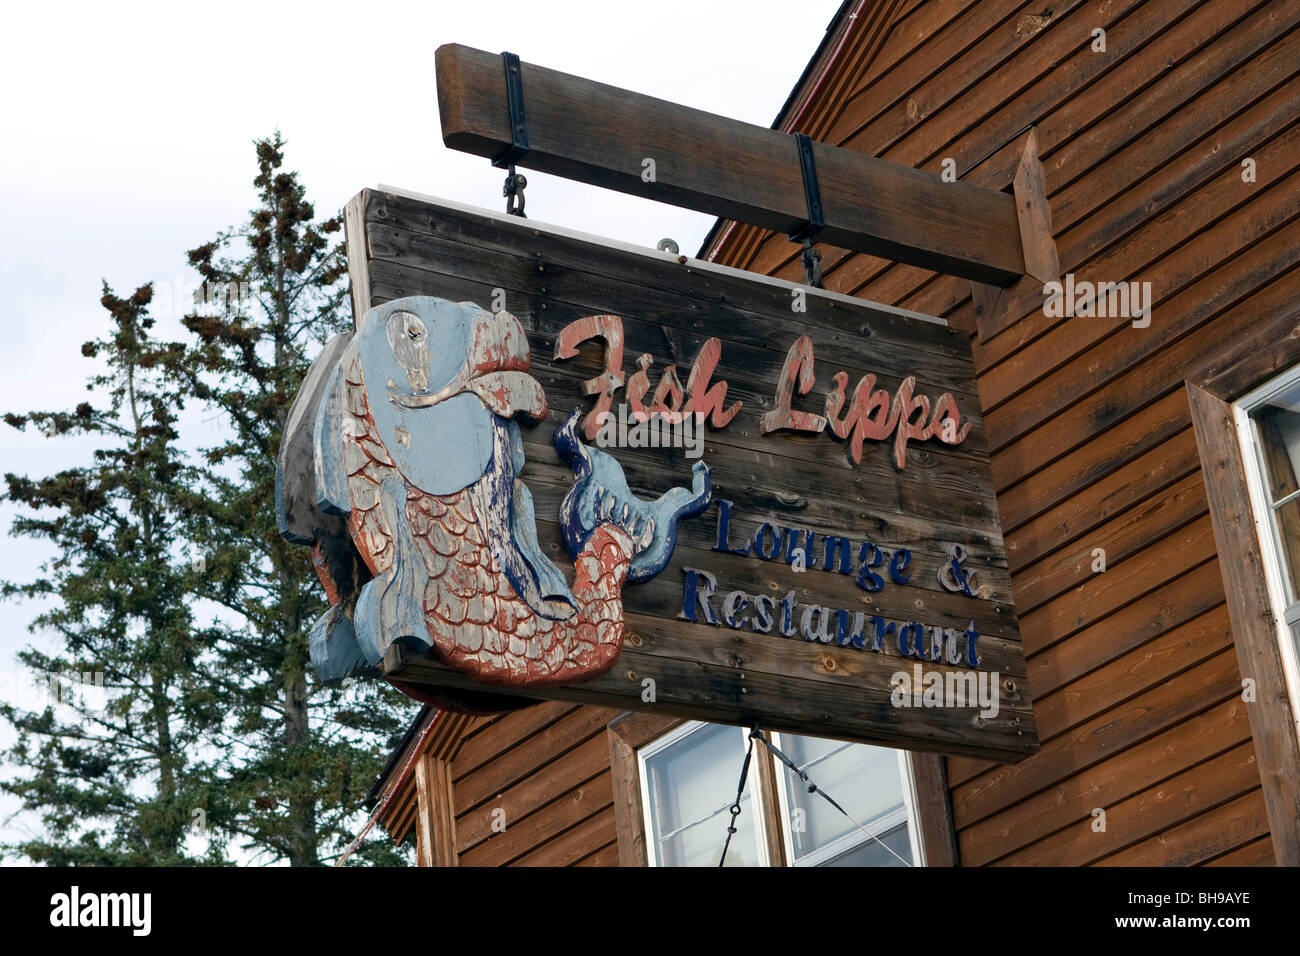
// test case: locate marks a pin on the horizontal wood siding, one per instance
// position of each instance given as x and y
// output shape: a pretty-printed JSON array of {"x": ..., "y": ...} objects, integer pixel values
[
  {"x": 1133, "y": 671},
  {"x": 541, "y": 775}
]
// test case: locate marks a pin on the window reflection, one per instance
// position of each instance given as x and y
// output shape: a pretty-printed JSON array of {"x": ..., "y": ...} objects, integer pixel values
[
  {"x": 1277, "y": 438},
  {"x": 689, "y": 779}
]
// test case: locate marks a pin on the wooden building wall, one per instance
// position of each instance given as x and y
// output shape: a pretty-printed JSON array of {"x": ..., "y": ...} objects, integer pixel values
[
  {"x": 1133, "y": 671},
  {"x": 547, "y": 769},
  {"x": 528, "y": 788}
]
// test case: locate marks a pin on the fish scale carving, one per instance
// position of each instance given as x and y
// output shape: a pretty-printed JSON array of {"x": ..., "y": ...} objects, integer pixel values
[
  {"x": 416, "y": 448},
  {"x": 477, "y": 622}
]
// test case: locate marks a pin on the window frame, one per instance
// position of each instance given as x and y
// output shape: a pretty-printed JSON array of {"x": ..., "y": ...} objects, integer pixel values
[
  {"x": 1241, "y": 559},
  {"x": 769, "y": 791},
  {"x": 686, "y": 728},
  {"x": 1263, "y": 518},
  {"x": 855, "y": 838}
]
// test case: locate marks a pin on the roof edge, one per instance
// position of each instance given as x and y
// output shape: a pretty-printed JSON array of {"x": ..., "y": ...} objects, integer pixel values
[{"x": 838, "y": 26}]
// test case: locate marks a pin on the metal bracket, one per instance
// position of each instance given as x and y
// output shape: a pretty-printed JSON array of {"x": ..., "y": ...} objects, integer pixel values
[
  {"x": 811, "y": 191},
  {"x": 812, "y": 194},
  {"x": 518, "y": 148},
  {"x": 513, "y": 189}
]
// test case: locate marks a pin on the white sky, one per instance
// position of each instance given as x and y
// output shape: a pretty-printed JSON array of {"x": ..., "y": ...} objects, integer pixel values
[{"x": 126, "y": 131}]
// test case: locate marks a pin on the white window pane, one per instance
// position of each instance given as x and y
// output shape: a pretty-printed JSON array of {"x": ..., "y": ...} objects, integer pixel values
[
  {"x": 690, "y": 786},
  {"x": 871, "y": 853},
  {"x": 864, "y": 780},
  {"x": 1277, "y": 434},
  {"x": 701, "y": 843},
  {"x": 1294, "y": 630},
  {"x": 1277, "y": 421}
]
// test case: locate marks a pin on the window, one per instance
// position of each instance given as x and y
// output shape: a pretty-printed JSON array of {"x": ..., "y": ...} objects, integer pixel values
[
  {"x": 871, "y": 783},
  {"x": 1268, "y": 422},
  {"x": 688, "y": 784}
]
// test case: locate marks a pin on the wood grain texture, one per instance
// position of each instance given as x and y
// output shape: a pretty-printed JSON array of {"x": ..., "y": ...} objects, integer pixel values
[
  {"x": 571, "y": 846},
  {"x": 547, "y": 824},
  {"x": 1209, "y": 682},
  {"x": 1201, "y": 838},
  {"x": 1141, "y": 816},
  {"x": 1035, "y": 215},
  {"x": 605, "y": 856},
  {"x": 424, "y": 838},
  {"x": 1141, "y": 151},
  {"x": 436, "y": 735},
  {"x": 675, "y": 312},
  {"x": 436, "y": 823},
  {"x": 766, "y": 779},
  {"x": 358, "y": 280},
  {"x": 583, "y": 763},
  {"x": 1253, "y": 624},
  {"x": 519, "y": 785},
  {"x": 1151, "y": 39},
  {"x": 479, "y": 791},
  {"x": 934, "y": 810},
  {"x": 626, "y": 734},
  {"x": 600, "y": 134},
  {"x": 1258, "y": 852},
  {"x": 1127, "y": 771}
]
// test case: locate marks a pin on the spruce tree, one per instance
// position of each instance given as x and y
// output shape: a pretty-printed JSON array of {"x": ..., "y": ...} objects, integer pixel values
[
  {"x": 306, "y": 754},
  {"x": 112, "y": 755},
  {"x": 171, "y": 581}
]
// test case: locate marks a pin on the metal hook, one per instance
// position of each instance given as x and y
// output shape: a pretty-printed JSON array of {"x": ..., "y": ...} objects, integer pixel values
[
  {"x": 513, "y": 190},
  {"x": 812, "y": 264}
]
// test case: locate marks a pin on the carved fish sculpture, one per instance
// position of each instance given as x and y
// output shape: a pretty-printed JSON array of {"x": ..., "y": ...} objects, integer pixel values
[{"x": 415, "y": 457}]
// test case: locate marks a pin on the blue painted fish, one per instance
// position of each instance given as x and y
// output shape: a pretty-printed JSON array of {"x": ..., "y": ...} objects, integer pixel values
[{"x": 417, "y": 451}]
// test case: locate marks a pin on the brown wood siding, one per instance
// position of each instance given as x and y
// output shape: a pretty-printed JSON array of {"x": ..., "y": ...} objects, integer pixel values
[
  {"x": 1134, "y": 675},
  {"x": 544, "y": 773},
  {"x": 1136, "y": 683}
]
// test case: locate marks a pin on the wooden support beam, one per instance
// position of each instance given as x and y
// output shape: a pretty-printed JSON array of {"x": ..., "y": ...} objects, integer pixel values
[
  {"x": 934, "y": 810},
  {"x": 604, "y": 135},
  {"x": 435, "y": 822},
  {"x": 1035, "y": 214},
  {"x": 626, "y": 733},
  {"x": 993, "y": 313}
]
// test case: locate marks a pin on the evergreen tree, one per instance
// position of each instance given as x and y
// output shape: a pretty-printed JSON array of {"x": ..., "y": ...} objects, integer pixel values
[
  {"x": 117, "y": 771},
  {"x": 302, "y": 756},
  {"x": 216, "y": 740}
]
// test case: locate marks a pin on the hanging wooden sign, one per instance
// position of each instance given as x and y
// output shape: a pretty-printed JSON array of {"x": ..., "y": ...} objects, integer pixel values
[{"x": 547, "y": 466}]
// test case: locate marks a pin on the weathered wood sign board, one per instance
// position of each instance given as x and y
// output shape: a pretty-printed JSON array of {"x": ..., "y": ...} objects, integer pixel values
[{"x": 834, "y": 568}]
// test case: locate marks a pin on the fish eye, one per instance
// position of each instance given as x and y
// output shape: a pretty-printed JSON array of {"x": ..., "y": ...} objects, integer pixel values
[
  {"x": 406, "y": 331},
  {"x": 414, "y": 328}
]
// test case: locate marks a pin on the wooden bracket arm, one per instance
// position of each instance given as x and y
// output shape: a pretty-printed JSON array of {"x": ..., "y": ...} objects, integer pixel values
[
  {"x": 1042, "y": 265},
  {"x": 610, "y": 137}
]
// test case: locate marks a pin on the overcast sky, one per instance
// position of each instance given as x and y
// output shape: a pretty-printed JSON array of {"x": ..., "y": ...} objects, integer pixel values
[{"x": 127, "y": 139}]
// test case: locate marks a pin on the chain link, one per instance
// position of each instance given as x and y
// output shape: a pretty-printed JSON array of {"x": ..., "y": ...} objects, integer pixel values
[{"x": 740, "y": 793}]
